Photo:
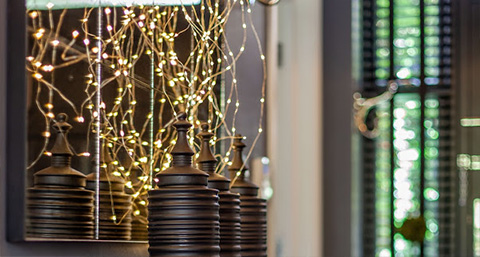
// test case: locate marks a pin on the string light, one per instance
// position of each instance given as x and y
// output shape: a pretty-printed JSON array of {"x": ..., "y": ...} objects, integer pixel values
[
  {"x": 50, "y": 5},
  {"x": 38, "y": 76},
  {"x": 75, "y": 34},
  {"x": 47, "y": 68},
  {"x": 34, "y": 14},
  {"x": 39, "y": 34}
]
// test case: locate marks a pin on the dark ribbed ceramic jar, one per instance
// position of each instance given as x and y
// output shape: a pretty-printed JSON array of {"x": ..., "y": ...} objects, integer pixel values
[
  {"x": 183, "y": 213},
  {"x": 229, "y": 202},
  {"x": 253, "y": 210},
  {"x": 58, "y": 206}
]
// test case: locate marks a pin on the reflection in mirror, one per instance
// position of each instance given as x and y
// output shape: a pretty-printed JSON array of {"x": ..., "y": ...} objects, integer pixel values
[{"x": 121, "y": 72}]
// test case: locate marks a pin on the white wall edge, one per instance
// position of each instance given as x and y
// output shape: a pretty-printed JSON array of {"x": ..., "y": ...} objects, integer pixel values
[{"x": 295, "y": 129}]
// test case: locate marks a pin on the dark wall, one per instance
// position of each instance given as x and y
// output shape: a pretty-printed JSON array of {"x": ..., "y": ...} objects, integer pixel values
[
  {"x": 337, "y": 106},
  {"x": 249, "y": 75},
  {"x": 467, "y": 65}
]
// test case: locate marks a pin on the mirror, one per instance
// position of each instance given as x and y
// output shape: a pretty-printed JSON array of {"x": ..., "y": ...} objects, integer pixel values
[{"x": 105, "y": 81}]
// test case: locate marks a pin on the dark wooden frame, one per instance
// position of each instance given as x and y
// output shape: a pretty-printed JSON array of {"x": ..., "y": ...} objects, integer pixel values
[
  {"x": 337, "y": 109},
  {"x": 16, "y": 120}
]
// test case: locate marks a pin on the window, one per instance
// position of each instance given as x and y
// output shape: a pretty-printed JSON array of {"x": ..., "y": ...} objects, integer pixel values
[{"x": 407, "y": 170}]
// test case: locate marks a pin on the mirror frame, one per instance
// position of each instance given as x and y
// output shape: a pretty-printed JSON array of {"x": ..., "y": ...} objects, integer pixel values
[{"x": 16, "y": 120}]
